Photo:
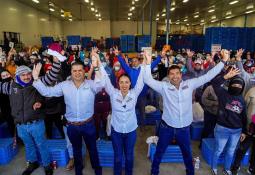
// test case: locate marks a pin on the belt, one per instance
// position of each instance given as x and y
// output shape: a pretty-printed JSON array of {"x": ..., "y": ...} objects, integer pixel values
[
  {"x": 28, "y": 122},
  {"x": 81, "y": 122}
]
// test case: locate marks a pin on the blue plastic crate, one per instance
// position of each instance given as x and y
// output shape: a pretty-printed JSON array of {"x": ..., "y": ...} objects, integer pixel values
[
  {"x": 196, "y": 130},
  {"x": 208, "y": 150},
  {"x": 7, "y": 151},
  {"x": 85, "y": 42},
  {"x": 46, "y": 41},
  {"x": 74, "y": 40},
  {"x": 151, "y": 118},
  {"x": 4, "y": 130},
  {"x": 172, "y": 154},
  {"x": 106, "y": 154}
]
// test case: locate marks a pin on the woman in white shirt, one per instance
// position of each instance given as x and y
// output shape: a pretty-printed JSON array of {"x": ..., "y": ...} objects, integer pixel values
[{"x": 123, "y": 121}]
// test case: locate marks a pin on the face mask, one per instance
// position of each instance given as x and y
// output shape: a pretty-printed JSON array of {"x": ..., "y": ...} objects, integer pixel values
[
  {"x": 116, "y": 68},
  {"x": 7, "y": 79},
  {"x": 234, "y": 90}
]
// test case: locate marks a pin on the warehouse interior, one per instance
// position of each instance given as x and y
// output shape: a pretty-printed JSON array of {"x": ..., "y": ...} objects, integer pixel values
[{"x": 199, "y": 25}]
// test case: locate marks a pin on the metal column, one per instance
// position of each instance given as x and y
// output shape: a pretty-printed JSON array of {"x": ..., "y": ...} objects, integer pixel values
[
  {"x": 167, "y": 18},
  {"x": 142, "y": 20},
  {"x": 150, "y": 17}
]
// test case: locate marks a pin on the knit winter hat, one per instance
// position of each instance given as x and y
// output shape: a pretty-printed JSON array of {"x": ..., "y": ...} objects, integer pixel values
[
  {"x": 22, "y": 69},
  {"x": 55, "y": 50}
]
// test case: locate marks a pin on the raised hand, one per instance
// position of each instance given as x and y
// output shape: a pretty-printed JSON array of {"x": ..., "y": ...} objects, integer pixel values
[
  {"x": 163, "y": 53},
  {"x": 239, "y": 54},
  {"x": 36, "y": 71},
  {"x": 225, "y": 55},
  {"x": 116, "y": 50},
  {"x": 190, "y": 53},
  {"x": 37, "y": 105},
  {"x": 148, "y": 57},
  {"x": 233, "y": 72}
]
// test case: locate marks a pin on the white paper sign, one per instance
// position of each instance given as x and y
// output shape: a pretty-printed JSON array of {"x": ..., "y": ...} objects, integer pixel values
[{"x": 216, "y": 48}]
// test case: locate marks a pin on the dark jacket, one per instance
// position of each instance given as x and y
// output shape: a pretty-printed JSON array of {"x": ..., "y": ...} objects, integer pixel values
[
  {"x": 22, "y": 100},
  {"x": 232, "y": 109}
]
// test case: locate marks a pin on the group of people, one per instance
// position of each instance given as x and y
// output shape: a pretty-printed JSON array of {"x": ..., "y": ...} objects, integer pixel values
[{"x": 79, "y": 89}]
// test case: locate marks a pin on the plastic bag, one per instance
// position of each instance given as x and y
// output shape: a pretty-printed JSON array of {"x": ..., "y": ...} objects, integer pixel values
[{"x": 198, "y": 112}]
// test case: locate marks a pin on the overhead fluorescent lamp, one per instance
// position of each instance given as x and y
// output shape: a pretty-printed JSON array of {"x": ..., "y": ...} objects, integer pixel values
[
  {"x": 99, "y": 15},
  {"x": 196, "y": 16},
  {"x": 136, "y": 0},
  {"x": 129, "y": 14},
  {"x": 92, "y": 9},
  {"x": 202, "y": 20},
  {"x": 177, "y": 23},
  {"x": 211, "y": 10},
  {"x": 70, "y": 19},
  {"x": 51, "y": 9},
  {"x": 96, "y": 10},
  {"x": 157, "y": 19},
  {"x": 91, "y": 3},
  {"x": 36, "y": 1},
  {"x": 213, "y": 17},
  {"x": 172, "y": 9},
  {"x": 129, "y": 18},
  {"x": 196, "y": 13},
  {"x": 227, "y": 17},
  {"x": 185, "y": 20},
  {"x": 62, "y": 15},
  {"x": 100, "y": 19},
  {"x": 133, "y": 2},
  {"x": 229, "y": 13},
  {"x": 157, "y": 15},
  {"x": 251, "y": 6},
  {"x": 163, "y": 14},
  {"x": 187, "y": 24},
  {"x": 233, "y": 2},
  {"x": 184, "y": 1},
  {"x": 133, "y": 7},
  {"x": 202, "y": 24},
  {"x": 87, "y": 1},
  {"x": 249, "y": 11},
  {"x": 213, "y": 21}
]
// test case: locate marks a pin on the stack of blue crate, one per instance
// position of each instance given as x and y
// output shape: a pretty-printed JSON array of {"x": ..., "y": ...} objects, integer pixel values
[
  {"x": 208, "y": 150},
  {"x": 142, "y": 41},
  {"x": 231, "y": 38},
  {"x": 106, "y": 154},
  {"x": 131, "y": 43},
  {"x": 110, "y": 42},
  {"x": 46, "y": 41},
  {"x": 85, "y": 42},
  {"x": 196, "y": 129},
  {"x": 172, "y": 154},
  {"x": 74, "y": 39},
  {"x": 4, "y": 130},
  {"x": 7, "y": 151},
  {"x": 151, "y": 118}
]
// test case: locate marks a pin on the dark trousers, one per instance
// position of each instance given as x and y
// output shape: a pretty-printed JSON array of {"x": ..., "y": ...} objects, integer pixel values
[
  {"x": 242, "y": 148},
  {"x": 209, "y": 124},
  {"x": 88, "y": 133},
  {"x": 140, "y": 105},
  {"x": 123, "y": 143},
  {"x": 166, "y": 135},
  {"x": 51, "y": 119}
]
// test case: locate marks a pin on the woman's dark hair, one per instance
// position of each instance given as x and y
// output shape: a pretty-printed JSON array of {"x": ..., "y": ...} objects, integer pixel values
[
  {"x": 174, "y": 66},
  {"x": 124, "y": 75}
]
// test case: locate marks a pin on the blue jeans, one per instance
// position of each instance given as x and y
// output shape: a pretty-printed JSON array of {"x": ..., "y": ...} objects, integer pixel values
[
  {"x": 33, "y": 137},
  {"x": 68, "y": 143},
  {"x": 86, "y": 131},
  {"x": 225, "y": 137},
  {"x": 166, "y": 135},
  {"x": 123, "y": 142}
]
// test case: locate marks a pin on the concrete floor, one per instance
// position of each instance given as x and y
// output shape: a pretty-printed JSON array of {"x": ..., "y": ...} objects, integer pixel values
[{"x": 141, "y": 165}]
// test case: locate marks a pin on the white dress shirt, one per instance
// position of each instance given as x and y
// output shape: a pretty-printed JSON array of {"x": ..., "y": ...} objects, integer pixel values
[{"x": 177, "y": 103}]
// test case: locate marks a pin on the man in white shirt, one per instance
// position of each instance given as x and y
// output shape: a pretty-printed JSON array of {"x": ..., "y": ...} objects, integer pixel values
[
  {"x": 177, "y": 110},
  {"x": 79, "y": 95}
]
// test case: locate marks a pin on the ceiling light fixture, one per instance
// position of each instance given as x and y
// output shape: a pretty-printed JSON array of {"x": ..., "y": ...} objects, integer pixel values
[
  {"x": 196, "y": 13},
  {"x": 51, "y": 9},
  {"x": 185, "y": 20},
  {"x": 96, "y": 10},
  {"x": 91, "y": 3},
  {"x": 136, "y": 0},
  {"x": 87, "y": 1},
  {"x": 100, "y": 19},
  {"x": 251, "y": 11},
  {"x": 202, "y": 20},
  {"x": 36, "y": 1},
  {"x": 213, "y": 17},
  {"x": 213, "y": 21},
  {"x": 92, "y": 9},
  {"x": 196, "y": 16},
  {"x": 129, "y": 14},
  {"x": 172, "y": 9},
  {"x": 99, "y": 15},
  {"x": 227, "y": 17},
  {"x": 157, "y": 15},
  {"x": 184, "y": 1},
  {"x": 187, "y": 24},
  {"x": 157, "y": 19},
  {"x": 228, "y": 13},
  {"x": 251, "y": 6},
  {"x": 233, "y": 2},
  {"x": 163, "y": 14},
  {"x": 62, "y": 15},
  {"x": 133, "y": 7},
  {"x": 133, "y": 2},
  {"x": 211, "y": 10},
  {"x": 70, "y": 19},
  {"x": 173, "y": 3},
  {"x": 177, "y": 23},
  {"x": 129, "y": 18}
]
